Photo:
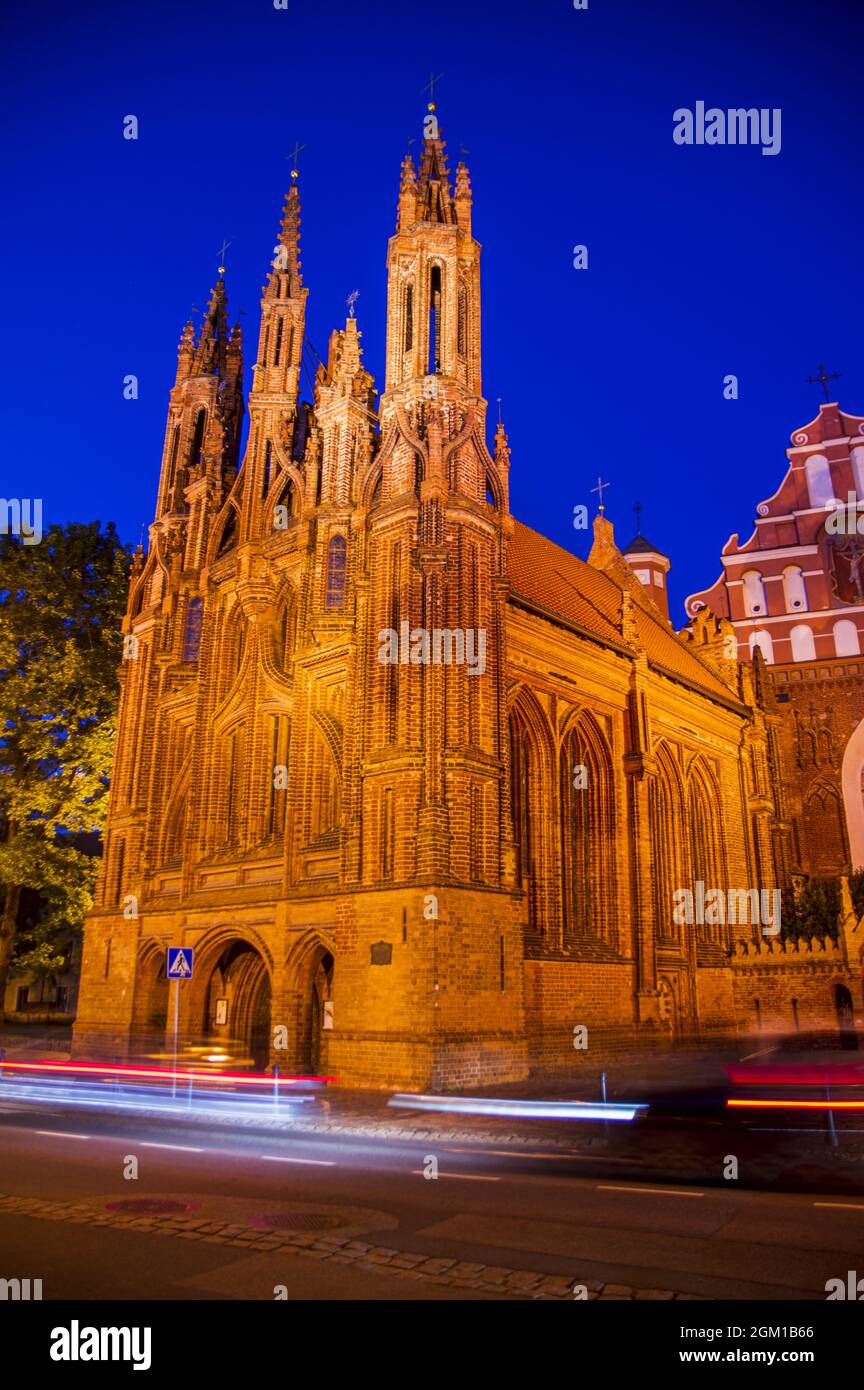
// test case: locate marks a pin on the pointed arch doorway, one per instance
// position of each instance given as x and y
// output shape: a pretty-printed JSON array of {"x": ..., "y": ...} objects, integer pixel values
[
  {"x": 310, "y": 970},
  {"x": 237, "y": 1002}
]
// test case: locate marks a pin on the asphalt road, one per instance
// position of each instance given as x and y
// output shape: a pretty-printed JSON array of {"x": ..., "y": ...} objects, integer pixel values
[{"x": 534, "y": 1210}]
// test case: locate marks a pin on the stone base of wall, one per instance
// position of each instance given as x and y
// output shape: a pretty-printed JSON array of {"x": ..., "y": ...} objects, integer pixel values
[{"x": 426, "y": 1064}]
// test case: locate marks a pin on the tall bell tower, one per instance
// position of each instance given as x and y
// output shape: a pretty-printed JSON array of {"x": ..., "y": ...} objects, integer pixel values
[{"x": 436, "y": 831}]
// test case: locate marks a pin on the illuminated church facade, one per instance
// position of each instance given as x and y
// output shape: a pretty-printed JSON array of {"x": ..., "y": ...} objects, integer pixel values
[
  {"x": 397, "y": 865},
  {"x": 794, "y": 590}
]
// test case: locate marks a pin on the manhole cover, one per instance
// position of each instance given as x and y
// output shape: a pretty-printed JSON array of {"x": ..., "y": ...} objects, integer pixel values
[
  {"x": 298, "y": 1221},
  {"x": 150, "y": 1206}
]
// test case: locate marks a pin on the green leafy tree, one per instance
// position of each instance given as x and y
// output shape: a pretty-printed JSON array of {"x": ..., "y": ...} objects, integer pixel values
[
  {"x": 61, "y": 605},
  {"x": 814, "y": 912}
]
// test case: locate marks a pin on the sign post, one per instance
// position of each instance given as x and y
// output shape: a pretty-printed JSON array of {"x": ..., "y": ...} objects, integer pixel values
[{"x": 179, "y": 965}]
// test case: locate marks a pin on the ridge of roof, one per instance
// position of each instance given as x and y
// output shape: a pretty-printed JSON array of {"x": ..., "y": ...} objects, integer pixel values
[{"x": 559, "y": 582}]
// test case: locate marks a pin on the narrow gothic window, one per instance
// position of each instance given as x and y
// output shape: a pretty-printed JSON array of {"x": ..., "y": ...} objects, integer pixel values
[
  {"x": 231, "y": 806},
  {"x": 462, "y": 327},
  {"x": 266, "y": 345},
  {"x": 197, "y": 439},
  {"x": 277, "y": 352},
  {"x": 435, "y": 320},
  {"x": 391, "y": 669},
  {"x": 265, "y": 485},
  {"x": 520, "y": 772},
  {"x": 665, "y": 815},
  {"x": 476, "y": 845},
  {"x": 278, "y": 758},
  {"x": 118, "y": 871},
  {"x": 587, "y": 829},
  {"x": 387, "y": 835},
  {"x": 409, "y": 318},
  {"x": 336, "y": 563},
  {"x": 705, "y": 848},
  {"x": 173, "y": 464},
  {"x": 192, "y": 631}
]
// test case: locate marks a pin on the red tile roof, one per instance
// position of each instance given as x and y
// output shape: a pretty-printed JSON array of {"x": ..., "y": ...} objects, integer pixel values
[{"x": 546, "y": 575}]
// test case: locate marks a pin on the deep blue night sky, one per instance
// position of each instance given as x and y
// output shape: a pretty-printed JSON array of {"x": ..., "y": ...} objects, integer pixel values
[{"x": 703, "y": 261}]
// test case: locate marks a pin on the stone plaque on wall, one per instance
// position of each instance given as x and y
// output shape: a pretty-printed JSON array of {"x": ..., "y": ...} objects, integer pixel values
[{"x": 382, "y": 953}]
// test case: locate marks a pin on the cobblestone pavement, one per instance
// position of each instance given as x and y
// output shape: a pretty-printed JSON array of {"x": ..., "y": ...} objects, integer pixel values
[{"x": 496, "y": 1280}]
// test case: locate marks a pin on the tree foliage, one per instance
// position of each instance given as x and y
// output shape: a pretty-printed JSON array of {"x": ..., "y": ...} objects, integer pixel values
[{"x": 61, "y": 605}]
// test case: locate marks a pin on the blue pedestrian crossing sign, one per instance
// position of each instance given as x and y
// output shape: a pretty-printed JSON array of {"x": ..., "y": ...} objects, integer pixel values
[{"x": 180, "y": 961}]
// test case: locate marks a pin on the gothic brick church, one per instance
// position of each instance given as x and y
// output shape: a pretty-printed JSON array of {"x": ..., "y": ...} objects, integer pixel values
[{"x": 399, "y": 863}]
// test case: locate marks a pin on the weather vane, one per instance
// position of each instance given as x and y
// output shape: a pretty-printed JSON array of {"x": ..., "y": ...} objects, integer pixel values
[
  {"x": 599, "y": 488},
  {"x": 351, "y": 301}
]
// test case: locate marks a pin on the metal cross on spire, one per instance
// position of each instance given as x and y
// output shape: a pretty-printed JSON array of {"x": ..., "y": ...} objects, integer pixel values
[
  {"x": 824, "y": 376},
  {"x": 294, "y": 157},
  {"x": 599, "y": 488},
  {"x": 351, "y": 301},
  {"x": 637, "y": 507},
  {"x": 222, "y": 250},
  {"x": 430, "y": 88}
]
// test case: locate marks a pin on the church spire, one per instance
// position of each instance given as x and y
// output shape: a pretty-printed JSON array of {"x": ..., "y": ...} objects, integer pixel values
[
  {"x": 433, "y": 315},
  {"x": 434, "y": 201},
  {"x": 210, "y": 355},
  {"x": 286, "y": 279}
]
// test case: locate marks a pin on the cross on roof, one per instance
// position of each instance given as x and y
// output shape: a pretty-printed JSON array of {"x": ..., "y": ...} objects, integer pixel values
[
  {"x": 599, "y": 488},
  {"x": 294, "y": 157},
  {"x": 637, "y": 507},
  {"x": 824, "y": 376},
  {"x": 351, "y": 301},
  {"x": 430, "y": 87},
  {"x": 222, "y": 250}
]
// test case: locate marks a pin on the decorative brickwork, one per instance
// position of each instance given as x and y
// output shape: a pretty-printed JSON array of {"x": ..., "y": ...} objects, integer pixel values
[{"x": 419, "y": 786}]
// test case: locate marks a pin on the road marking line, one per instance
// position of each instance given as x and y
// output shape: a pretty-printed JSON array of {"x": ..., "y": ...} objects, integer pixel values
[
  {"x": 466, "y": 1177},
  {"x": 60, "y": 1134},
  {"x": 177, "y": 1148},
  {"x": 847, "y": 1206},
  {"x": 656, "y": 1191},
  {"x": 315, "y": 1162}
]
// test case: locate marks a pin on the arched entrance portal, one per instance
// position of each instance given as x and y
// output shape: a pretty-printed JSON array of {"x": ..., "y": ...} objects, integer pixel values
[
  {"x": 309, "y": 971},
  {"x": 237, "y": 1003},
  {"x": 150, "y": 1008}
]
